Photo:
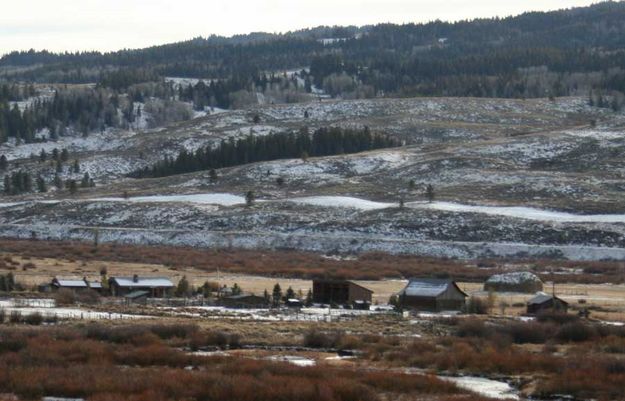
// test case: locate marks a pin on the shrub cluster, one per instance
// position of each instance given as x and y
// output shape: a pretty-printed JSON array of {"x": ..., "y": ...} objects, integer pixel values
[{"x": 126, "y": 364}]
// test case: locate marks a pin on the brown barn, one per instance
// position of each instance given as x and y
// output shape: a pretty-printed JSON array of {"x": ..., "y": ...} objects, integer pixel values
[
  {"x": 544, "y": 302},
  {"x": 157, "y": 287},
  {"x": 430, "y": 294},
  {"x": 342, "y": 292}
]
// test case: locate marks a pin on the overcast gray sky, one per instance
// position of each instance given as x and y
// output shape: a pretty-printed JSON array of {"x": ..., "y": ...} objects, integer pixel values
[{"x": 115, "y": 24}]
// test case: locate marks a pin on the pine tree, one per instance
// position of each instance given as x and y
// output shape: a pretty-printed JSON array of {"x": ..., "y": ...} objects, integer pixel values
[
  {"x": 72, "y": 186},
  {"x": 86, "y": 181},
  {"x": 429, "y": 193},
  {"x": 182, "y": 290},
  {"x": 212, "y": 174},
  {"x": 64, "y": 155},
  {"x": 41, "y": 184},
  {"x": 58, "y": 183},
  {"x": 250, "y": 198},
  {"x": 267, "y": 297},
  {"x": 76, "y": 167},
  {"x": 290, "y": 294},
  {"x": 10, "y": 282},
  {"x": 236, "y": 290},
  {"x": 309, "y": 298},
  {"x": 8, "y": 190},
  {"x": 4, "y": 163},
  {"x": 276, "y": 295}
]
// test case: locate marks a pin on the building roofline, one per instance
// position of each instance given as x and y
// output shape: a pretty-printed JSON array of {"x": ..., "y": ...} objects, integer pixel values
[{"x": 339, "y": 281}]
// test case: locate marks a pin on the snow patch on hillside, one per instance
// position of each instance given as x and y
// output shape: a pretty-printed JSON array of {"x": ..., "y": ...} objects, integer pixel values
[
  {"x": 597, "y": 134},
  {"x": 105, "y": 141},
  {"x": 209, "y": 199},
  {"x": 342, "y": 201},
  {"x": 521, "y": 212}
]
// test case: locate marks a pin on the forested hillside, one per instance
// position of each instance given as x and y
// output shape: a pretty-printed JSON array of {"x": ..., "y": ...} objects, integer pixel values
[
  {"x": 531, "y": 55},
  {"x": 577, "y": 52},
  {"x": 323, "y": 142}
]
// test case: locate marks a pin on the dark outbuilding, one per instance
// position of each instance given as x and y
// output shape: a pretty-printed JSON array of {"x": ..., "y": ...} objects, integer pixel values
[
  {"x": 545, "y": 302},
  {"x": 431, "y": 294},
  {"x": 341, "y": 292}
]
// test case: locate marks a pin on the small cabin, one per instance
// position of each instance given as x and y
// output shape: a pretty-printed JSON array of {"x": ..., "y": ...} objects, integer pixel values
[
  {"x": 157, "y": 287},
  {"x": 341, "y": 292},
  {"x": 431, "y": 294},
  {"x": 293, "y": 303},
  {"x": 543, "y": 302}
]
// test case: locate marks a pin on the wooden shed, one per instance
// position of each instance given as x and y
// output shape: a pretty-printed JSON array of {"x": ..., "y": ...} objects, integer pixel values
[
  {"x": 342, "y": 292},
  {"x": 431, "y": 294},
  {"x": 157, "y": 287},
  {"x": 543, "y": 302}
]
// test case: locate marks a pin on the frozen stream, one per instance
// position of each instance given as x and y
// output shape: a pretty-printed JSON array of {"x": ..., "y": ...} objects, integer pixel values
[{"x": 485, "y": 387}]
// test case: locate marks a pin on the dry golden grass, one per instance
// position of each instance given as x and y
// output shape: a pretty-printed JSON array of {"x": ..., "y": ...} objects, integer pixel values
[
  {"x": 294, "y": 264},
  {"x": 607, "y": 301}
]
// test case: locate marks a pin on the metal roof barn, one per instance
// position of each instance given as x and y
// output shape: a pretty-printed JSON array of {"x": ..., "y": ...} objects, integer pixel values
[
  {"x": 157, "y": 287},
  {"x": 431, "y": 294}
]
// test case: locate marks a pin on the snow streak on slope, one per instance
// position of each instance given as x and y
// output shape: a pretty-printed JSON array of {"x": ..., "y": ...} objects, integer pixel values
[
  {"x": 521, "y": 213},
  {"x": 209, "y": 199},
  {"x": 342, "y": 201}
]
